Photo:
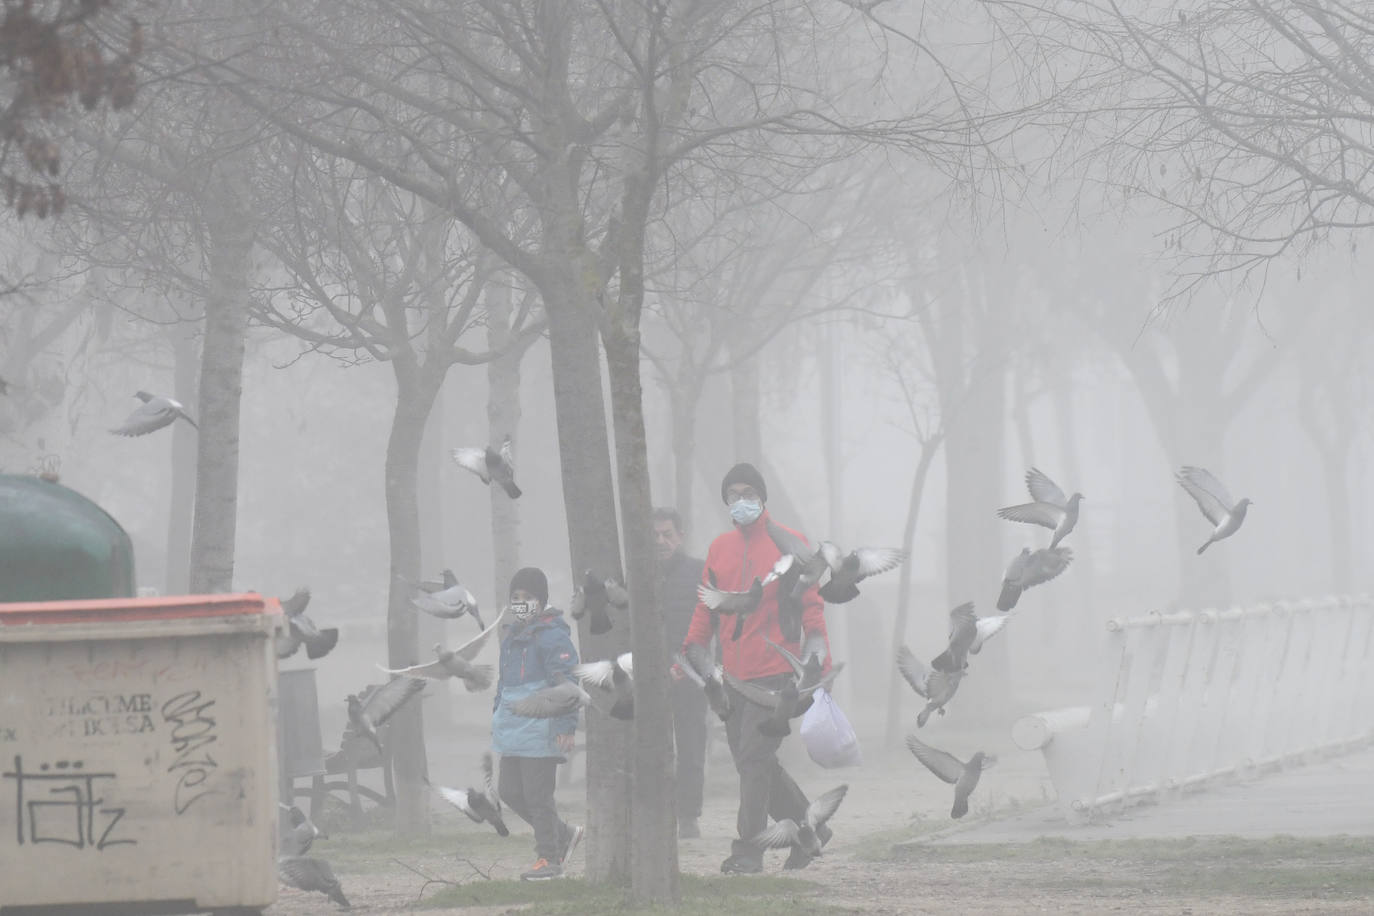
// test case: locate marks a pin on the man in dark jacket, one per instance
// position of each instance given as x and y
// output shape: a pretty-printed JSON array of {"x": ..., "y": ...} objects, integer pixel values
[
  {"x": 536, "y": 652},
  {"x": 736, "y": 558},
  {"x": 678, "y": 577}
]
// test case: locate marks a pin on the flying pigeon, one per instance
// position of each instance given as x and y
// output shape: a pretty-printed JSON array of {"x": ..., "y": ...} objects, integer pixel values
[
  {"x": 593, "y": 597},
  {"x": 483, "y": 805},
  {"x": 366, "y": 717},
  {"x": 155, "y": 413},
  {"x": 783, "y": 703},
  {"x": 297, "y": 840},
  {"x": 963, "y": 630},
  {"x": 936, "y": 687},
  {"x": 449, "y": 602},
  {"x": 963, "y": 776},
  {"x": 614, "y": 676},
  {"x": 987, "y": 627},
  {"x": 810, "y": 565},
  {"x": 489, "y": 464},
  {"x": 301, "y": 630},
  {"x": 788, "y": 832},
  {"x": 848, "y": 570},
  {"x": 698, "y": 663},
  {"x": 1050, "y": 509},
  {"x": 1029, "y": 569},
  {"x": 457, "y": 663},
  {"x": 808, "y": 667},
  {"x": 561, "y": 699},
  {"x": 741, "y": 604},
  {"x": 1214, "y": 501},
  {"x": 308, "y": 874}
]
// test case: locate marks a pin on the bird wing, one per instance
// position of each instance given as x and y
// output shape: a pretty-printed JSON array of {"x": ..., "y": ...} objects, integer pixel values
[
  {"x": 824, "y": 683},
  {"x": 787, "y": 542},
  {"x": 988, "y": 627},
  {"x": 781, "y": 835},
  {"x": 598, "y": 673},
  {"x": 296, "y": 603},
  {"x": 489, "y": 781},
  {"x": 792, "y": 660},
  {"x": 1209, "y": 494},
  {"x": 148, "y": 418},
  {"x": 942, "y": 764},
  {"x": 1042, "y": 514},
  {"x": 1045, "y": 564},
  {"x": 468, "y": 650},
  {"x": 914, "y": 671},
  {"x": 1017, "y": 567},
  {"x": 1044, "y": 490},
  {"x": 306, "y": 874},
  {"x": 626, "y": 661},
  {"x": 458, "y": 798},
  {"x": 550, "y": 702},
  {"x": 725, "y": 602},
  {"x": 391, "y": 696},
  {"x": 474, "y": 459},
  {"x": 874, "y": 560},
  {"x": 780, "y": 568},
  {"x": 759, "y": 696},
  {"x": 687, "y": 669},
  {"x": 814, "y": 646},
  {"x": 831, "y": 554},
  {"x": 616, "y": 594},
  {"x": 435, "y": 670},
  {"x": 506, "y": 456},
  {"x": 824, "y": 807}
]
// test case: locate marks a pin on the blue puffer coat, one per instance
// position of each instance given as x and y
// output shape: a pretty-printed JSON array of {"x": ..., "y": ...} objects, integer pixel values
[{"x": 534, "y": 655}]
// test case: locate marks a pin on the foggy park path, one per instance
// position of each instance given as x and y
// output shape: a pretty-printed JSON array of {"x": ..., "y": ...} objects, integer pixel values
[{"x": 897, "y": 852}]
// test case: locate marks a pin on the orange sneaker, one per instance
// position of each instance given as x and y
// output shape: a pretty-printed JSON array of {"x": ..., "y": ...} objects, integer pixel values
[{"x": 543, "y": 870}]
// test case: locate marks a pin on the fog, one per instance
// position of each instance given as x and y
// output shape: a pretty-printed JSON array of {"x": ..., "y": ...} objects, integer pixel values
[{"x": 1058, "y": 289}]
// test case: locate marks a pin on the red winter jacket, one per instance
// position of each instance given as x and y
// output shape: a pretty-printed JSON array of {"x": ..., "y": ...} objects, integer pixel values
[{"x": 736, "y": 557}]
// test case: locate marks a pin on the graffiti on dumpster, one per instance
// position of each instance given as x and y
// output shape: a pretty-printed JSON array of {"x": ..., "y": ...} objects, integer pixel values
[
  {"x": 59, "y": 803},
  {"x": 193, "y": 731},
  {"x": 100, "y": 715}
]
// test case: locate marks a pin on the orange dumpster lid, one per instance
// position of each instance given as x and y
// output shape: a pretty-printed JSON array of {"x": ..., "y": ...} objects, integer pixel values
[{"x": 105, "y": 610}]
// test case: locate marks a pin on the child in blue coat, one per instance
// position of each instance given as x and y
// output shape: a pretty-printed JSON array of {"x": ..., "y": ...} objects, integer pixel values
[{"x": 536, "y": 652}]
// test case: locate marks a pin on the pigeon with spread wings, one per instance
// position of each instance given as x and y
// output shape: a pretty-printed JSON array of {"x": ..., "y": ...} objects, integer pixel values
[
  {"x": 963, "y": 776},
  {"x": 482, "y": 805},
  {"x": 449, "y": 602},
  {"x": 154, "y": 413},
  {"x": 1050, "y": 508},
  {"x": 936, "y": 687},
  {"x": 1215, "y": 501},
  {"x": 788, "y": 832},
  {"x": 365, "y": 717},
  {"x": 489, "y": 464},
  {"x": 847, "y": 570},
  {"x": 457, "y": 662},
  {"x": 300, "y": 630},
  {"x": 1028, "y": 569}
]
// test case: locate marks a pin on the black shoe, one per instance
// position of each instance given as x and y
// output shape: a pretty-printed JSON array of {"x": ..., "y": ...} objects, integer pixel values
[
  {"x": 687, "y": 828},
  {"x": 741, "y": 865},
  {"x": 799, "y": 858}
]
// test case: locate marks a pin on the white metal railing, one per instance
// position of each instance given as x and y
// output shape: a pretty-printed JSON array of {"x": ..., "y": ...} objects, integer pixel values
[{"x": 1193, "y": 696}]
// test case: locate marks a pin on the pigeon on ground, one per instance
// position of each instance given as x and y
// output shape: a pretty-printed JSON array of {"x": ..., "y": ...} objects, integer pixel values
[
  {"x": 450, "y": 602},
  {"x": 788, "y": 832},
  {"x": 615, "y": 677},
  {"x": 594, "y": 596},
  {"x": 300, "y": 630},
  {"x": 564, "y": 698},
  {"x": 741, "y": 604},
  {"x": 963, "y": 776},
  {"x": 155, "y": 413},
  {"x": 489, "y": 465},
  {"x": 308, "y": 874},
  {"x": 936, "y": 687},
  {"x": 698, "y": 663},
  {"x": 1028, "y": 569},
  {"x": 303, "y": 832},
  {"x": 1050, "y": 509},
  {"x": 783, "y": 703},
  {"x": 963, "y": 630},
  {"x": 1214, "y": 501},
  {"x": 366, "y": 717},
  {"x": 458, "y": 662},
  {"x": 479, "y": 805},
  {"x": 847, "y": 570}
]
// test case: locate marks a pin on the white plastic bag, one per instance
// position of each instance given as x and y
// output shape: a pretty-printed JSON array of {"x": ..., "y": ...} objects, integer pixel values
[{"x": 827, "y": 734}]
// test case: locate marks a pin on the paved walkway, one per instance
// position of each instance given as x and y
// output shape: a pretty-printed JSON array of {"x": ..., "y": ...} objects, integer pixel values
[{"x": 1331, "y": 798}]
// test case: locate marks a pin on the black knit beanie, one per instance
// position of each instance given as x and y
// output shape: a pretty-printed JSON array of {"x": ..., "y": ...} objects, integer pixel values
[
  {"x": 744, "y": 472},
  {"x": 532, "y": 580}
]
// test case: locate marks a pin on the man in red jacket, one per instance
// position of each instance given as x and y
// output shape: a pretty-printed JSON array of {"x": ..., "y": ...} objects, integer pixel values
[{"x": 736, "y": 557}]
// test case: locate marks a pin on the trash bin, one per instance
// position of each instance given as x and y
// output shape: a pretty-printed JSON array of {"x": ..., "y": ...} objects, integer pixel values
[{"x": 137, "y": 753}]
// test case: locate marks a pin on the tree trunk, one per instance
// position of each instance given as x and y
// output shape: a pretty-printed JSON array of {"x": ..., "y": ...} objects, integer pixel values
[
  {"x": 589, "y": 503},
  {"x": 221, "y": 387},
  {"x": 414, "y": 402},
  {"x": 180, "y": 514},
  {"x": 895, "y": 687},
  {"x": 832, "y": 439},
  {"x": 433, "y": 553},
  {"x": 503, "y": 418},
  {"x": 653, "y": 856}
]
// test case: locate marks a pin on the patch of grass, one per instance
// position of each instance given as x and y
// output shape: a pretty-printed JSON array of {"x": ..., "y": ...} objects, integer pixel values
[
  {"x": 1282, "y": 867},
  {"x": 751, "y": 895},
  {"x": 878, "y": 847}
]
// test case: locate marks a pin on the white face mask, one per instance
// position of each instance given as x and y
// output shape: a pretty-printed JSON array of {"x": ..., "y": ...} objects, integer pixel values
[
  {"x": 523, "y": 610},
  {"x": 746, "y": 511}
]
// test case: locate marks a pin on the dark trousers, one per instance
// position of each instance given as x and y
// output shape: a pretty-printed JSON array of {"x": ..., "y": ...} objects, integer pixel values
[
  {"x": 765, "y": 789},
  {"x": 525, "y": 785},
  {"x": 689, "y": 735}
]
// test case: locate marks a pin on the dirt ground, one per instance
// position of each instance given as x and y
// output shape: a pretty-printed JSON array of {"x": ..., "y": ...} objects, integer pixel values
[{"x": 890, "y": 800}]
